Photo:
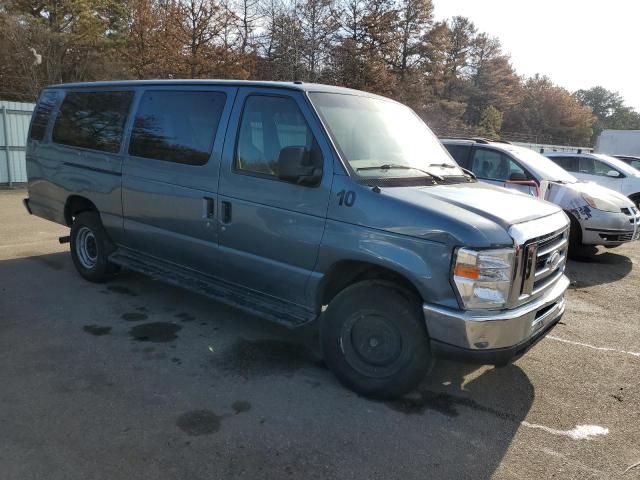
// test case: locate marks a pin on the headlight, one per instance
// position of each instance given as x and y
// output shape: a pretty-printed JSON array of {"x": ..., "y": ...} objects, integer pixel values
[
  {"x": 600, "y": 204},
  {"x": 483, "y": 277}
]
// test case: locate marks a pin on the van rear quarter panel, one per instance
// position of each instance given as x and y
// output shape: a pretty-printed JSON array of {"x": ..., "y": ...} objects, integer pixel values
[{"x": 55, "y": 172}]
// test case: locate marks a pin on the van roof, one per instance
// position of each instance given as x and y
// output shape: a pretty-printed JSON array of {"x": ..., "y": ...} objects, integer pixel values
[{"x": 306, "y": 87}]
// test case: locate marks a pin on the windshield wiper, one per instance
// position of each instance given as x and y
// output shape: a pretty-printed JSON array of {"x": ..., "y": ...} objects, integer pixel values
[
  {"x": 443, "y": 165},
  {"x": 389, "y": 166},
  {"x": 469, "y": 173}
]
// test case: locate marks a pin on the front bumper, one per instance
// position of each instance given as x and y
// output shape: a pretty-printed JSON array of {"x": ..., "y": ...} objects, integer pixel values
[
  {"x": 494, "y": 337},
  {"x": 610, "y": 228}
]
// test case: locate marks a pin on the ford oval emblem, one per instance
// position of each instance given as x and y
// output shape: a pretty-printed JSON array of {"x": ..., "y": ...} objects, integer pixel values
[{"x": 554, "y": 260}]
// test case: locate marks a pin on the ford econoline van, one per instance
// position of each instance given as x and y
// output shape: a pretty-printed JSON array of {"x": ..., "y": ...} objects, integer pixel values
[{"x": 301, "y": 202}]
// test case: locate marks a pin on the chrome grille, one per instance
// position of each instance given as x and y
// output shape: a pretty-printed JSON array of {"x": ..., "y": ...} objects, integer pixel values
[{"x": 545, "y": 261}]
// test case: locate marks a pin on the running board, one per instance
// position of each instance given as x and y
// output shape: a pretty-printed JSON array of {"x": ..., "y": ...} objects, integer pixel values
[{"x": 270, "y": 308}]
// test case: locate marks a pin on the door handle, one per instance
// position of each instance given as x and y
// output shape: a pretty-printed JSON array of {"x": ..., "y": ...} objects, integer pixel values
[
  {"x": 226, "y": 212},
  {"x": 209, "y": 207}
]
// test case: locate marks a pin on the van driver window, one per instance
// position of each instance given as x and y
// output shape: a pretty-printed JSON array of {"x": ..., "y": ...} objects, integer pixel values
[{"x": 270, "y": 124}]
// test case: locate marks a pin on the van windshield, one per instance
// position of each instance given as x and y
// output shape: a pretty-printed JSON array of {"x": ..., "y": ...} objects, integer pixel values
[{"x": 380, "y": 137}]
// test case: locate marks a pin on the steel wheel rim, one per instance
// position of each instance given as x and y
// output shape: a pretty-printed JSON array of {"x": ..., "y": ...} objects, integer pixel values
[
  {"x": 86, "y": 248},
  {"x": 372, "y": 344}
]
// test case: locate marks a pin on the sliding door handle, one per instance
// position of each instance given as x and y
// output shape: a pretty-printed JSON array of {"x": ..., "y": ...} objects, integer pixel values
[
  {"x": 209, "y": 207},
  {"x": 226, "y": 212}
]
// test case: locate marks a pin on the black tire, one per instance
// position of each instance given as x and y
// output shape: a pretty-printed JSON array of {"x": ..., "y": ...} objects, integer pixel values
[
  {"x": 374, "y": 339},
  {"x": 91, "y": 247},
  {"x": 636, "y": 200},
  {"x": 578, "y": 251}
]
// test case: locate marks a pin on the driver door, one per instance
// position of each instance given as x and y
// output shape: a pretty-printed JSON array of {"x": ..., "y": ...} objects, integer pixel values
[{"x": 269, "y": 229}]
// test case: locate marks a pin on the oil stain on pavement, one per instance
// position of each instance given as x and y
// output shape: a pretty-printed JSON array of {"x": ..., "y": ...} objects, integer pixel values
[
  {"x": 97, "y": 330},
  {"x": 156, "y": 332},
  {"x": 241, "y": 406},
  {"x": 199, "y": 422},
  {"x": 264, "y": 357},
  {"x": 134, "y": 316},
  {"x": 444, "y": 403},
  {"x": 122, "y": 290}
]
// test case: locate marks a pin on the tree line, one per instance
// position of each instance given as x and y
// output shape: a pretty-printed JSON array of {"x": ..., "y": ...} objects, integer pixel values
[{"x": 457, "y": 78}]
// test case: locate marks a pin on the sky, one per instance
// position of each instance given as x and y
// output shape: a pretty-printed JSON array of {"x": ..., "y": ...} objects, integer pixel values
[{"x": 577, "y": 43}]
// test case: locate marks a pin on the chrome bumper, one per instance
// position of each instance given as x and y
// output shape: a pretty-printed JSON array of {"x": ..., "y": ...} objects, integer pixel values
[{"x": 482, "y": 331}]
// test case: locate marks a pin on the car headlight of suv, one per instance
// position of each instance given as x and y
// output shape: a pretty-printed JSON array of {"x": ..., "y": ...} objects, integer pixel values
[
  {"x": 483, "y": 278},
  {"x": 600, "y": 204}
]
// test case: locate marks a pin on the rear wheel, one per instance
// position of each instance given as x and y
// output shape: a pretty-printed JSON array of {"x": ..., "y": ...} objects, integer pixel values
[
  {"x": 374, "y": 339},
  {"x": 91, "y": 247}
]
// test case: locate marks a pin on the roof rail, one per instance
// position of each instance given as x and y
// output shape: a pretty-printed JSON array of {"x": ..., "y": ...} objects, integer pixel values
[{"x": 470, "y": 139}]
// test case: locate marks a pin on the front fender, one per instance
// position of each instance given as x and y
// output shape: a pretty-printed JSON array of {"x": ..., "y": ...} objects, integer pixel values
[{"x": 424, "y": 263}]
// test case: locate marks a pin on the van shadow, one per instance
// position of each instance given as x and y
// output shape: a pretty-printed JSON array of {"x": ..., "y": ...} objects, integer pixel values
[
  {"x": 459, "y": 423},
  {"x": 599, "y": 269},
  {"x": 484, "y": 407}
]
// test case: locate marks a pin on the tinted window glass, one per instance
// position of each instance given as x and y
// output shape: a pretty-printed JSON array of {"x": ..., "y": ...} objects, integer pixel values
[
  {"x": 177, "y": 126},
  {"x": 46, "y": 104},
  {"x": 592, "y": 166},
  {"x": 459, "y": 153},
  {"x": 270, "y": 124},
  {"x": 92, "y": 120},
  {"x": 493, "y": 165},
  {"x": 570, "y": 164}
]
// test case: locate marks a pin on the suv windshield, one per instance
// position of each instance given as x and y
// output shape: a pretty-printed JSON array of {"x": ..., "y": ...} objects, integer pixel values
[
  {"x": 541, "y": 166},
  {"x": 380, "y": 137},
  {"x": 619, "y": 164}
]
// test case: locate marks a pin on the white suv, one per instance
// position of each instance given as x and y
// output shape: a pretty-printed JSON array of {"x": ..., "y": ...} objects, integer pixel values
[{"x": 604, "y": 170}]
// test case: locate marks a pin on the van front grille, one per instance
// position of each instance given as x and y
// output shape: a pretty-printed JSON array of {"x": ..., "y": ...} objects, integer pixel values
[{"x": 545, "y": 261}]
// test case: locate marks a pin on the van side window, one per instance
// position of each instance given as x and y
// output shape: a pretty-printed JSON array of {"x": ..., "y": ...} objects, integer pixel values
[
  {"x": 570, "y": 164},
  {"x": 46, "y": 104},
  {"x": 269, "y": 125},
  {"x": 493, "y": 165},
  {"x": 177, "y": 126},
  {"x": 92, "y": 120}
]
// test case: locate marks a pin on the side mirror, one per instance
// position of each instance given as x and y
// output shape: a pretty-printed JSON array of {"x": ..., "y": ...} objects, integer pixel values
[
  {"x": 613, "y": 173},
  {"x": 518, "y": 177},
  {"x": 296, "y": 166}
]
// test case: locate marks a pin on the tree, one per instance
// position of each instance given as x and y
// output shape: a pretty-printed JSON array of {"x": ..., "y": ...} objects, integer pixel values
[
  {"x": 492, "y": 79},
  {"x": 609, "y": 110},
  {"x": 550, "y": 113},
  {"x": 491, "y": 122}
]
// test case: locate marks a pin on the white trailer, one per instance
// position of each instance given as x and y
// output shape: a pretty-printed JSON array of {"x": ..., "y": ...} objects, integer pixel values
[{"x": 619, "y": 142}]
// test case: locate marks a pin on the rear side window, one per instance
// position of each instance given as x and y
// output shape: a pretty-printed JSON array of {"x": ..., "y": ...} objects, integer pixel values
[
  {"x": 570, "y": 164},
  {"x": 46, "y": 104},
  {"x": 177, "y": 126},
  {"x": 92, "y": 120},
  {"x": 269, "y": 125}
]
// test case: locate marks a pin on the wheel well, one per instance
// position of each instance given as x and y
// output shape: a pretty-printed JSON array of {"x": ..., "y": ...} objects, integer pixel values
[
  {"x": 575, "y": 227},
  {"x": 75, "y": 205},
  {"x": 634, "y": 197},
  {"x": 346, "y": 273}
]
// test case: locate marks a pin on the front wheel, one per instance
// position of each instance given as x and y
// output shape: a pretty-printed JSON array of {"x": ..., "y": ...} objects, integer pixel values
[
  {"x": 374, "y": 339},
  {"x": 91, "y": 247}
]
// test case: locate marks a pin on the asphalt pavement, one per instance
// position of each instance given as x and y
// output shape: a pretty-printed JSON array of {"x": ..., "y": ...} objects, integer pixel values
[{"x": 134, "y": 379}]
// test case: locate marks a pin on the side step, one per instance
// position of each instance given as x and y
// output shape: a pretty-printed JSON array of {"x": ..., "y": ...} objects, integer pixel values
[{"x": 270, "y": 308}]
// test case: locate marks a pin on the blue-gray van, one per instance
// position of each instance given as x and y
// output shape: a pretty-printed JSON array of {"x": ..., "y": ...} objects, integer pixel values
[{"x": 301, "y": 203}]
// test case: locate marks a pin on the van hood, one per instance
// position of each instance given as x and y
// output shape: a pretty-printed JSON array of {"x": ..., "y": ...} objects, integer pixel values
[{"x": 500, "y": 205}]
